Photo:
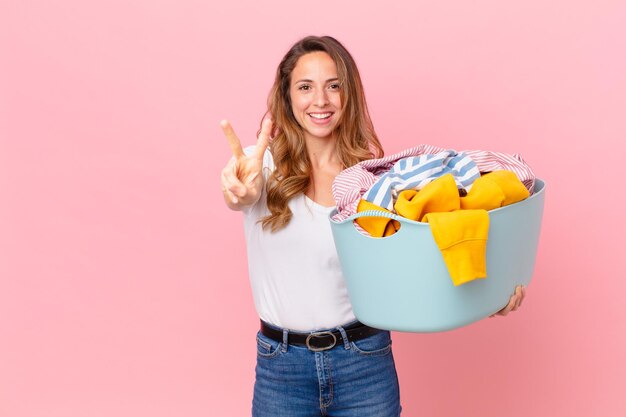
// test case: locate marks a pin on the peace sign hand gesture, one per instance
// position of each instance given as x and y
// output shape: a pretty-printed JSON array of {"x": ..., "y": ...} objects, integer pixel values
[{"x": 242, "y": 178}]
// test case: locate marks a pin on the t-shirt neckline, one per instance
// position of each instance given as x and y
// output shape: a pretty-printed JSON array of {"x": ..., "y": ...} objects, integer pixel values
[{"x": 318, "y": 206}]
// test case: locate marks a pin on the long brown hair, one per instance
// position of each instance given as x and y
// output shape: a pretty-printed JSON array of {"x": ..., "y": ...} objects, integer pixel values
[{"x": 356, "y": 138}]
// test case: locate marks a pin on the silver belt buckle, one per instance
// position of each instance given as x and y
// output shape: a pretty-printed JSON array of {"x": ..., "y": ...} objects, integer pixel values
[{"x": 319, "y": 349}]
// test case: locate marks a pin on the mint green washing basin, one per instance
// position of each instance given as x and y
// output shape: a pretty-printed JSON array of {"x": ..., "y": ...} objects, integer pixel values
[{"x": 400, "y": 282}]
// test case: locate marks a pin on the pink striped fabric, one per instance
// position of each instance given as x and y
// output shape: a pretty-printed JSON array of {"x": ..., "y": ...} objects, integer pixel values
[
  {"x": 488, "y": 161},
  {"x": 350, "y": 185}
]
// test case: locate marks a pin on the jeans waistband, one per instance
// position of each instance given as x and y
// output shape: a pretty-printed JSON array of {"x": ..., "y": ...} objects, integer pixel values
[{"x": 319, "y": 340}]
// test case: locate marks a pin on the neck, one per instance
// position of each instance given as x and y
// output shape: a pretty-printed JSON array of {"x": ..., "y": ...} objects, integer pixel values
[{"x": 321, "y": 151}]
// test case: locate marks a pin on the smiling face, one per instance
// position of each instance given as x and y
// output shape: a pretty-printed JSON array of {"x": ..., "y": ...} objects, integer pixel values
[{"x": 315, "y": 95}]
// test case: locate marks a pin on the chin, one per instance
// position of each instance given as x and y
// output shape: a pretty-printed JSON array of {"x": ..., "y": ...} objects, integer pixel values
[{"x": 321, "y": 135}]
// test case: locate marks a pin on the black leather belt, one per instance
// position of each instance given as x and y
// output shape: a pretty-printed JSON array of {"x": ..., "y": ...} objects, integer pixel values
[{"x": 318, "y": 341}]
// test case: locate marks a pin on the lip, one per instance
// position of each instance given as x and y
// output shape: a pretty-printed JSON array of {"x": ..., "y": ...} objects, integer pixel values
[{"x": 321, "y": 121}]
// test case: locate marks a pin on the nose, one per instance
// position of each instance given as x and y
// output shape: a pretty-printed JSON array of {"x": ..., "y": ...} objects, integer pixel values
[{"x": 321, "y": 97}]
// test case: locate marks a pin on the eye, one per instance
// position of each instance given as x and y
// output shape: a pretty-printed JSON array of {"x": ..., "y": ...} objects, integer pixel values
[
  {"x": 335, "y": 86},
  {"x": 304, "y": 87}
]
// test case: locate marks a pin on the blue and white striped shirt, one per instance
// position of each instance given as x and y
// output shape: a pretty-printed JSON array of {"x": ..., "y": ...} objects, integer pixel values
[{"x": 415, "y": 172}]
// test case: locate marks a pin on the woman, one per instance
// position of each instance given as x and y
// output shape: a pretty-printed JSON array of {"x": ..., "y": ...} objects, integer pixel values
[{"x": 314, "y": 358}]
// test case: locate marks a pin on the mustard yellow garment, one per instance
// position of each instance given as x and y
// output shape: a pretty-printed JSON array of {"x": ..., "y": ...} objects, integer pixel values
[
  {"x": 376, "y": 226},
  {"x": 460, "y": 225},
  {"x": 461, "y": 236},
  {"x": 493, "y": 190},
  {"x": 438, "y": 195}
]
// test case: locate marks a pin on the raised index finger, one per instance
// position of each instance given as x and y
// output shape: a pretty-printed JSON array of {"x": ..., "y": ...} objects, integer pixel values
[{"x": 233, "y": 140}]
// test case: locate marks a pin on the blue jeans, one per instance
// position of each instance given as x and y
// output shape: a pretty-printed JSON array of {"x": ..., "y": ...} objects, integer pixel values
[{"x": 352, "y": 379}]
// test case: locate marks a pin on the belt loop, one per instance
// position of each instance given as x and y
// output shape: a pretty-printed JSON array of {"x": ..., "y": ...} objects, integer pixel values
[
  {"x": 344, "y": 336},
  {"x": 283, "y": 348}
]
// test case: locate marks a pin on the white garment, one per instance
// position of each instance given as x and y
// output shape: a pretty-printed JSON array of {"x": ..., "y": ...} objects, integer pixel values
[{"x": 295, "y": 274}]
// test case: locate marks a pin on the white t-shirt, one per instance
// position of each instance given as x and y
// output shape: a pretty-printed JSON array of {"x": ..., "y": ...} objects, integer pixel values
[{"x": 295, "y": 274}]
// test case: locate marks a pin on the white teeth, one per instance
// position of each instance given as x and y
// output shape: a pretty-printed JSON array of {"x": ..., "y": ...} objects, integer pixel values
[{"x": 320, "y": 115}]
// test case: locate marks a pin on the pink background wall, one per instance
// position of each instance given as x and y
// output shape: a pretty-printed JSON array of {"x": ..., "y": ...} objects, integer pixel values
[{"x": 123, "y": 286}]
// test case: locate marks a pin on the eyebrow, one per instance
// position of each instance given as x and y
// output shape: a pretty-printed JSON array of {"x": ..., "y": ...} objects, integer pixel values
[{"x": 310, "y": 81}]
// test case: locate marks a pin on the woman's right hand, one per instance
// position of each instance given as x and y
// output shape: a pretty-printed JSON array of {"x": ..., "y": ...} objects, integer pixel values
[{"x": 242, "y": 177}]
